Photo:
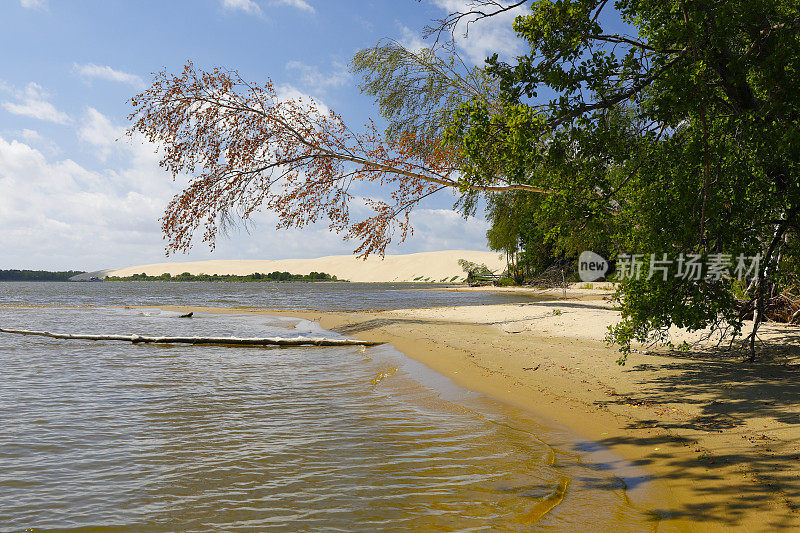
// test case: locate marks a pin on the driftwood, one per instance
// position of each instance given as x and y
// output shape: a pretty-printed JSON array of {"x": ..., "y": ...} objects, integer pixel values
[{"x": 267, "y": 341}]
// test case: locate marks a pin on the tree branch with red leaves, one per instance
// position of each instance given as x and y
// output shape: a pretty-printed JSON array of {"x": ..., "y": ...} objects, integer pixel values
[{"x": 246, "y": 149}]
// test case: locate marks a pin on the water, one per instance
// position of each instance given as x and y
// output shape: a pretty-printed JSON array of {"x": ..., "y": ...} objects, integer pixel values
[
  {"x": 121, "y": 437},
  {"x": 327, "y": 296}
]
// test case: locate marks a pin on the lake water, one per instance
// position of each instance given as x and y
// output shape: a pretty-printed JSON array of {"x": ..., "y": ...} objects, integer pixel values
[
  {"x": 102, "y": 436},
  {"x": 326, "y": 296}
]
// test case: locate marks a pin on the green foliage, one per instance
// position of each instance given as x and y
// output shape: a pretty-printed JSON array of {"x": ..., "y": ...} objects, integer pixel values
[
  {"x": 255, "y": 277},
  {"x": 682, "y": 138},
  {"x": 474, "y": 269},
  {"x": 37, "y": 275},
  {"x": 417, "y": 91}
]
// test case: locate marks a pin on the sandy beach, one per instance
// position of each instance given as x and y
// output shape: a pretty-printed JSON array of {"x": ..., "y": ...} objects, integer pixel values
[{"x": 721, "y": 437}]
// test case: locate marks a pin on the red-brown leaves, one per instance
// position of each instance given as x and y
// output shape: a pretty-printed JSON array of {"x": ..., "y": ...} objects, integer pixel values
[{"x": 246, "y": 149}]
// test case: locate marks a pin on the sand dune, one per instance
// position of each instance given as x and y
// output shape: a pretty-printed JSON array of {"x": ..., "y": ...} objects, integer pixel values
[{"x": 431, "y": 266}]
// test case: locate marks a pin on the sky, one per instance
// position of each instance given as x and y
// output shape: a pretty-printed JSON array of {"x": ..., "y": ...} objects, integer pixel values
[{"x": 76, "y": 193}]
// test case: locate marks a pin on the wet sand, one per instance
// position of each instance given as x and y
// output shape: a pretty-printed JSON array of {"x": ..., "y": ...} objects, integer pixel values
[{"x": 721, "y": 437}]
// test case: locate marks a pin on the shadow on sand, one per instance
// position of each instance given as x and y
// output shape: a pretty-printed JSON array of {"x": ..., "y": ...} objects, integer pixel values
[{"x": 756, "y": 407}]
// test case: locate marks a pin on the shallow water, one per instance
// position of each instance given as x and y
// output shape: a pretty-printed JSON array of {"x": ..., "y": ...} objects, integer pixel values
[
  {"x": 327, "y": 296},
  {"x": 207, "y": 438}
]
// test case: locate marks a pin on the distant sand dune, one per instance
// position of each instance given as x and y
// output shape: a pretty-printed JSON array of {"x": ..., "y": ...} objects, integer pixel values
[{"x": 431, "y": 266}]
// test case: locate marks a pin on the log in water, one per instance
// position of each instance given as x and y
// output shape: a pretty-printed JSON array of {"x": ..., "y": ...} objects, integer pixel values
[{"x": 236, "y": 341}]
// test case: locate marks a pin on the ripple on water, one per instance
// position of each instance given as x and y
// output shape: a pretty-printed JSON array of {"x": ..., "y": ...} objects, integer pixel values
[{"x": 207, "y": 438}]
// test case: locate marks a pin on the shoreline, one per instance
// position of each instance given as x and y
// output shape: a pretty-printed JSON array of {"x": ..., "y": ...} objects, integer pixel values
[{"x": 721, "y": 438}]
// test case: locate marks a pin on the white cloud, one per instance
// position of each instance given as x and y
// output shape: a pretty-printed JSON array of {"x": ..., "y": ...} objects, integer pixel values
[
  {"x": 290, "y": 92},
  {"x": 59, "y": 214},
  {"x": 314, "y": 80},
  {"x": 56, "y": 213},
  {"x": 248, "y": 6},
  {"x": 252, "y": 8},
  {"x": 443, "y": 229},
  {"x": 36, "y": 139},
  {"x": 98, "y": 131},
  {"x": 410, "y": 40},
  {"x": 299, "y": 4},
  {"x": 105, "y": 72},
  {"x": 31, "y": 136},
  {"x": 34, "y": 4},
  {"x": 486, "y": 36},
  {"x": 33, "y": 102}
]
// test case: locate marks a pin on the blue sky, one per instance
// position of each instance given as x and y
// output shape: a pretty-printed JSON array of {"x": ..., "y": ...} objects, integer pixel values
[{"x": 72, "y": 196}]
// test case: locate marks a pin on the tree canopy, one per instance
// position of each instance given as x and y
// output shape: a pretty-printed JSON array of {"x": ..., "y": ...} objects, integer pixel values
[{"x": 679, "y": 138}]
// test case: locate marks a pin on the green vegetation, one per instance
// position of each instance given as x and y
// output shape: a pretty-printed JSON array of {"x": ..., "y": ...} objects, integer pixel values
[
  {"x": 255, "y": 277},
  {"x": 37, "y": 275},
  {"x": 477, "y": 273},
  {"x": 680, "y": 137}
]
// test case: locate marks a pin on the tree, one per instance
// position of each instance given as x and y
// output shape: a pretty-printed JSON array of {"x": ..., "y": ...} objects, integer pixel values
[
  {"x": 246, "y": 149},
  {"x": 680, "y": 138}
]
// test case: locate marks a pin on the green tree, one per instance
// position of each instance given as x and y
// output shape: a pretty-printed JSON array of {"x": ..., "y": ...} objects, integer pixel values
[{"x": 680, "y": 137}]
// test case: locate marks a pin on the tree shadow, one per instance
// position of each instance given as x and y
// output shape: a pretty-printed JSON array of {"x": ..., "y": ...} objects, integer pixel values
[{"x": 756, "y": 402}]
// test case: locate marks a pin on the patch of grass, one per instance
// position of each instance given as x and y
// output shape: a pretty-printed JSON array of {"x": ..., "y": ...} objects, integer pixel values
[{"x": 557, "y": 312}]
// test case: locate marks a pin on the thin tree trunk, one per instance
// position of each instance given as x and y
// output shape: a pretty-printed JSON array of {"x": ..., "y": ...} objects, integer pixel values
[{"x": 763, "y": 272}]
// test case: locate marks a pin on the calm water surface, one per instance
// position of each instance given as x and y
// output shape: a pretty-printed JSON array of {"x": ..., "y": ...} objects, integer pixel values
[
  {"x": 327, "y": 296},
  {"x": 120, "y": 437}
]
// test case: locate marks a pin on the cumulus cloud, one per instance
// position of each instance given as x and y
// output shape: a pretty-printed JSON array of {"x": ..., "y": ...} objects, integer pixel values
[
  {"x": 59, "y": 214},
  {"x": 97, "y": 131},
  {"x": 91, "y": 71},
  {"x": 252, "y": 8},
  {"x": 33, "y": 102},
  {"x": 484, "y": 37},
  {"x": 288, "y": 91},
  {"x": 443, "y": 229},
  {"x": 248, "y": 6},
  {"x": 34, "y": 138},
  {"x": 410, "y": 40},
  {"x": 31, "y": 136}
]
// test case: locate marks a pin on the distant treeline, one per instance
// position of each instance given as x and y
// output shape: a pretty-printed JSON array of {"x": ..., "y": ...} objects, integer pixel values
[
  {"x": 257, "y": 276},
  {"x": 37, "y": 275}
]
